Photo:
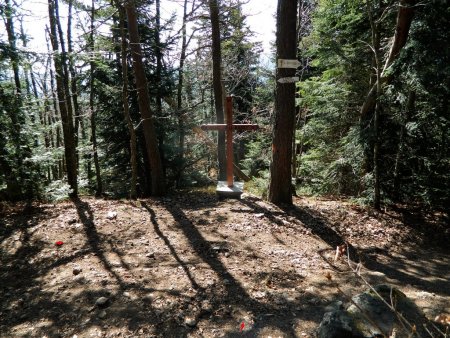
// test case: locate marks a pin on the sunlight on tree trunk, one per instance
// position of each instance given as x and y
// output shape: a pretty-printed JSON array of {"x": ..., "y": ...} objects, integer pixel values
[
  {"x": 157, "y": 175},
  {"x": 217, "y": 84},
  {"x": 280, "y": 187}
]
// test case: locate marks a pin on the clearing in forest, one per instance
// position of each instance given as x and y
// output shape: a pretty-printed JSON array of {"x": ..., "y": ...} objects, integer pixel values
[{"x": 192, "y": 265}]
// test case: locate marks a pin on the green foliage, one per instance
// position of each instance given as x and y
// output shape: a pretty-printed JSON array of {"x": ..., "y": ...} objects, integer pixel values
[{"x": 414, "y": 133}]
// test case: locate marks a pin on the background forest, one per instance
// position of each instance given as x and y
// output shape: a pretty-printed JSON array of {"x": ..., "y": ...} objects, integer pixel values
[{"x": 71, "y": 121}]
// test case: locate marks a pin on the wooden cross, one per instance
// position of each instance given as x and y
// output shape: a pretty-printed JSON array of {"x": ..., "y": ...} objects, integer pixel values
[{"x": 228, "y": 128}]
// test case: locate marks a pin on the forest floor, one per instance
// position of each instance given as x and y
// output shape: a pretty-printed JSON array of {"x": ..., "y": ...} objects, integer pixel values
[{"x": 191, "y": 265}]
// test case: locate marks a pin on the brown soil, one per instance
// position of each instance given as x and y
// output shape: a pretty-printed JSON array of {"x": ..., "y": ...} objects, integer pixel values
[{"x": 195, "y": 266}]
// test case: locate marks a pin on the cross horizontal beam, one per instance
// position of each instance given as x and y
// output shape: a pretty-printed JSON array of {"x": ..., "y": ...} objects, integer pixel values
[{"x": 228, "y": 128}]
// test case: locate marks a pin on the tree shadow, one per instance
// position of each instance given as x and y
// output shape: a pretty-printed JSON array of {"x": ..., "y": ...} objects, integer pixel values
[
  {"x": 234, "y": 293},
  {"x": 310, "y": 220}
]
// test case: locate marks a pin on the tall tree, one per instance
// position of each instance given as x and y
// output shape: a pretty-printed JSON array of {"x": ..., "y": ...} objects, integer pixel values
[
  {"x": 157, "y": 174},
  {"x": 371, "y": 106},
  {"x": 99, "y": 186},
  {"x": 63, "y": 101},
  {"x": 126, "y": 109},
  {"x": 280, "y": 187},
  {"x": 217, "y": 84}
]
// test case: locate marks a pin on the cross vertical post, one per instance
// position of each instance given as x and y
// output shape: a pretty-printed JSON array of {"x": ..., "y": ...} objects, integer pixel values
[
  {"x": 229, "y": 108},
  {"x": 229, "y": 188}
]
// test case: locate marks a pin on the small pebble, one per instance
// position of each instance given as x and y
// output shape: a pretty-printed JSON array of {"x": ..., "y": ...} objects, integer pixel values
[
  {"x": 76, "y": 270},
  {"x": 102, "y": 314},
  {"x": 102, "y": 302},
  {"x": 189, "y": 321}
]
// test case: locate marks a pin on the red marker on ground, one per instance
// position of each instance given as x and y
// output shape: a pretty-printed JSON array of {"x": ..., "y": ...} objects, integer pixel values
[
  {"x": 242, "y": 327},
  {"x": 59, "y": 243}
]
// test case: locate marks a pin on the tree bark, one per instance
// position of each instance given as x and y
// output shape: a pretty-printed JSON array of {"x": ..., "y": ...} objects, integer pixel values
[
  {"x": 126, "y": 110},
  {"x": 98, "y": 177},
  {"x": 404, "y": 19},
  {"x": 375, "y": 32},
  {"x": 157, "y": 175},
  {"x": 14, "y": 56},
  {"x": 217, "y": 85},
  {"x": 280, "y": 187},
  {"x": 180, "y": 112},
  {"x": 73, "y": 78},
  {"x": 66, "y": 114}
]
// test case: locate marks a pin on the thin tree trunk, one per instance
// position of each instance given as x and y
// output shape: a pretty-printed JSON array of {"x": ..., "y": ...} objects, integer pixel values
[
  {"x": 126, "y": 110},
  {"x": 63, "y": 100},
  {"x": 217, "y": 84},
  {"x": 158, "y": 73},
  {"x": 73, "y": 78},
  {"x": 280, "y": 187},
  {"x": 180, "y": 111},
  {"x": 404, "y": 19},
  {"x": 98, "y": 177},
  {"x": 14, "y": 56},
  {"x": 157, "y": 175},
  {"x": 375, "y": 31}
]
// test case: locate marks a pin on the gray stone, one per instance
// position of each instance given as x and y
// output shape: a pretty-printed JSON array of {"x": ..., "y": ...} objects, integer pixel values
[
  {"x": 381, "y": 315},
  {"x": 76, "y": 270},
  {"x": 337, "y": 324},
  {"x": 102, "y": 314},
  {"x": 206, "y": 306},
  {"x": 190, "y": 321},
  {"x": 369, "y": 316},
  {"x": 102, "y": 302}
]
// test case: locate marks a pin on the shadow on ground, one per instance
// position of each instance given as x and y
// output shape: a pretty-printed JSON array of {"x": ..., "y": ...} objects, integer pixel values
[{"x": 162, "y": 264}]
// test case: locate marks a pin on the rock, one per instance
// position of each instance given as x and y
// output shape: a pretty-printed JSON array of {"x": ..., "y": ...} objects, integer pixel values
[
  {"x": 148, "y": 297},
  {"x": 190, "y": 321},
  {"x": 150, "y": 255},
  {"x": 334, "y": 306},
  {"x": 353, "y": 321},
  {"x": 76, "y": 270},
  {"x": 206, "y": 306},
  {"x": 381, "y": 315},
  {"x": 102, "y": 314},
  {"x": 102, "y": 302},
  {"x": 337, "y": 324},
  {"x": 111, "y": 215},
  {"x": 71, "y": 220}
]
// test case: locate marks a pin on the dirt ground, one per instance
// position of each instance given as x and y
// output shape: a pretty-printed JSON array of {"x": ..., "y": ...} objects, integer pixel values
[{"x": 192, "y": 265}]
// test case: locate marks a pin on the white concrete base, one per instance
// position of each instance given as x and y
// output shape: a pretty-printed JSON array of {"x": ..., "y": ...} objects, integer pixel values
[{"x": 224, "y": 191}]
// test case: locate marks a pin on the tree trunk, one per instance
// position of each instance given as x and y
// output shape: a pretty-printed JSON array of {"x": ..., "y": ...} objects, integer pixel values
[
  {"x": 217, "y": 85},
  {"x": 404, "y": 20},
  {"x": 66, "y": 114},
  {"x": 98, "y": 177},
  {"x": 158, "y": 99},
  {"x": 14, "y": 56},
  {"x": 53, "y": 116},
  {"x": 180, "y": 112},
  {"x": 126, "y": 110},
  {"x": 157, "y": 175},
  {"x": 73, "y": 78},
  {"x": 280, "y": 187},
  {"x": 375, "y": 32}
]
